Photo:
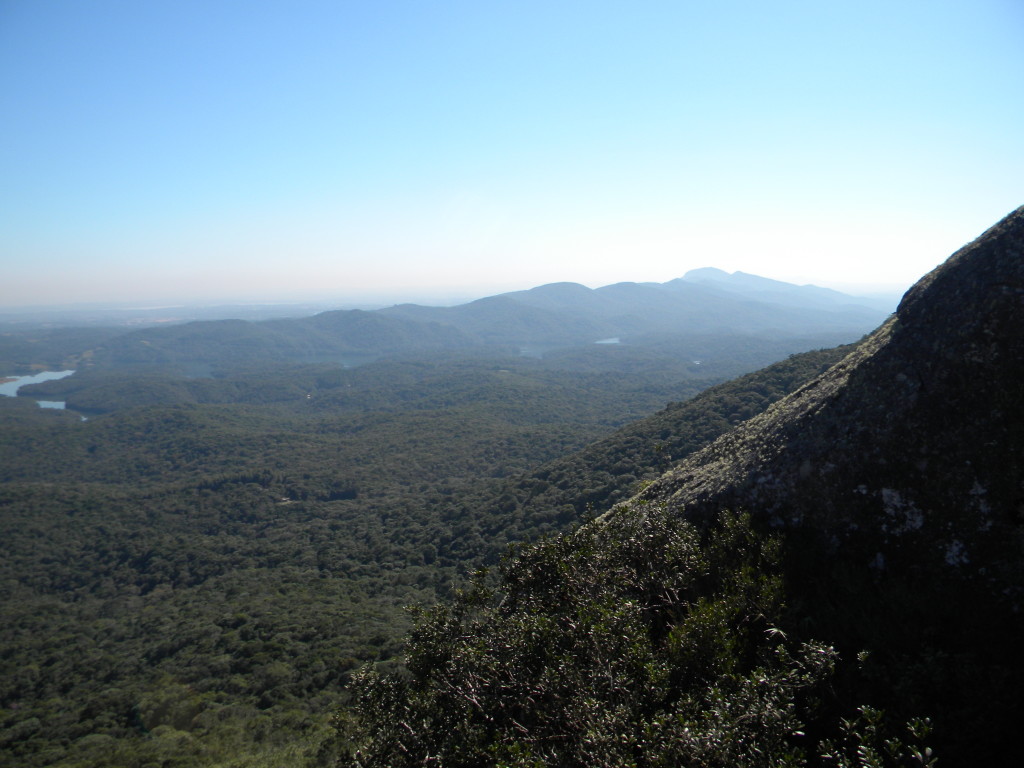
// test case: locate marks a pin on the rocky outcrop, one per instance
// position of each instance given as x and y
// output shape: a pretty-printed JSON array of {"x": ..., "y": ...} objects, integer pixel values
[
  {"x": 896, "y": 482},
  {"x": 918, "y": 433}
]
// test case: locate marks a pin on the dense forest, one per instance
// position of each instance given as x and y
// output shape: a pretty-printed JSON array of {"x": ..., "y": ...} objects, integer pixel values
[{"x": 195, "y": 566}]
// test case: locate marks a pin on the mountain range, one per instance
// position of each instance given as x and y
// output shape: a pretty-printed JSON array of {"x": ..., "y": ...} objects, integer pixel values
[{"x": 559, "y": 315}]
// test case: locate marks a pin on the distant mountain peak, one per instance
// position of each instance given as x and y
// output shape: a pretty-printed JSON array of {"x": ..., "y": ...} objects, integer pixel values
[
  {"x": 561, "y": 286},
  {"x": 714, "y": 274},
  {"x": 706, "y": 273},
  {"x": 765, "y": 289}
]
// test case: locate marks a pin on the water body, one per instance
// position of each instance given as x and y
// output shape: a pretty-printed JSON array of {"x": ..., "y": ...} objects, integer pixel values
[
  {"x": 11, "y": 385},
  {"x": 612, "y": 340}
]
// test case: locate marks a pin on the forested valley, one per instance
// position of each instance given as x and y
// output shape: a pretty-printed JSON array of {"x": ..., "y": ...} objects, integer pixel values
[{"x": 195, "y": 566}]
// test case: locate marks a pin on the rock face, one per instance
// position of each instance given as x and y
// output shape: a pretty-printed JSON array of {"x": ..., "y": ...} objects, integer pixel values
[
  {"x": 896, "y": 480},
  {"x": 919, "y": 431}
]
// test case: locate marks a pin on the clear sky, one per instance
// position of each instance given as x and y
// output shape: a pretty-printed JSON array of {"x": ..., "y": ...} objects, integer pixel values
[{"x": 253, "y": 150}]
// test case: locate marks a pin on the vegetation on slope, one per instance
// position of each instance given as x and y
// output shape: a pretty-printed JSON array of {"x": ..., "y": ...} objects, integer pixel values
[
  {"x": 193, "y": 579},
  {"x": 637, "y": 642}
]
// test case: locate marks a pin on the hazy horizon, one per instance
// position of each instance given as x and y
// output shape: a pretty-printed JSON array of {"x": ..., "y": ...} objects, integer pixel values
[
  {"x": 212, "y": 153},
  {"x": 361, "y": 301}
]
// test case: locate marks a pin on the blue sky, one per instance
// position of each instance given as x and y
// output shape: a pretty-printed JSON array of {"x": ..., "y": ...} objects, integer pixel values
[{"x": 220, "y": 150}]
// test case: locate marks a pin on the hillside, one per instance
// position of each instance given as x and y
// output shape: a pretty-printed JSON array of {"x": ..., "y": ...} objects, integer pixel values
[
  {"x": 835, "y": 582},
  {"x": 905, "y": 462},
  {"x": 608, "y": 471},
  {"x": 930, "y": 405}
]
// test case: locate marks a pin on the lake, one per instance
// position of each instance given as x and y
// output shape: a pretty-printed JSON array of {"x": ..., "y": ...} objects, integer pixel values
[{"x": 11, "y": 385}]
